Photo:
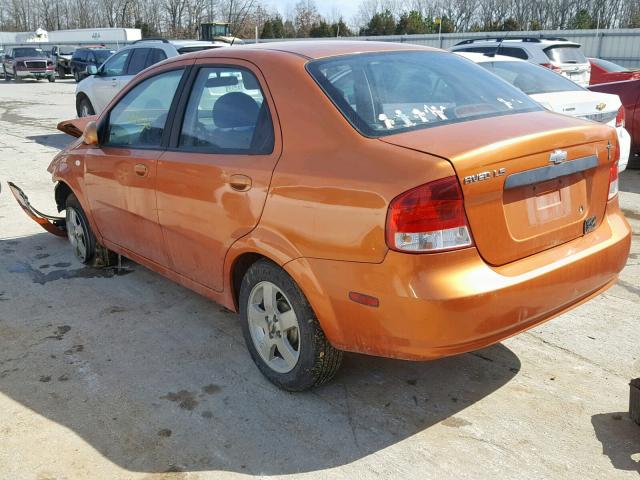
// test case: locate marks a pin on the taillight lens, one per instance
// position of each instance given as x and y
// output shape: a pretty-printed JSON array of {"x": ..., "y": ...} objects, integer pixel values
[
  {"x": 551, "y": 67},
  {"x": 620, "y": 117},
  {"x": 429, "y": 218}
]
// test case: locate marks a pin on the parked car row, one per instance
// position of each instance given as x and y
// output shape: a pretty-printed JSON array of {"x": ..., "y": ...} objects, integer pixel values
[
  {"x": 379, "y": 198},
  {"x": 559, "y": 94}
]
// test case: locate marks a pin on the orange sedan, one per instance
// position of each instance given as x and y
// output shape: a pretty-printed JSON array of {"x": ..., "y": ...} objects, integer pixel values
[{"x": 368, "y": 197}]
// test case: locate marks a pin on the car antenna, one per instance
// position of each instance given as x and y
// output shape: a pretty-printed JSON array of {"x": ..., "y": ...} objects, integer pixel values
[{"x": 495, "y": 52}]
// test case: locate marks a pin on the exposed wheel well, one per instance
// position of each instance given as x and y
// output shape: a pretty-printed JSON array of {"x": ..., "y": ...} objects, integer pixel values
[
  {"x": 62, "y": 191},
  {"x": 238, "y": 270}
]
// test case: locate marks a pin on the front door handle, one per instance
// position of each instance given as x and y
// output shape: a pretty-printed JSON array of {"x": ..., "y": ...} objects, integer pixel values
[
  {"x": 140, "y": 169},
  {"x": 241, "y": 183}
]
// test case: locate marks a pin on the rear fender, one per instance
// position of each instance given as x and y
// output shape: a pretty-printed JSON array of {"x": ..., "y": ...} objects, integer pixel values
[{"x": 55, "y": 225}]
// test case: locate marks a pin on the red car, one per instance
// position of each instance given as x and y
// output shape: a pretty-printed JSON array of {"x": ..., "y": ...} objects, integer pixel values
[
  {"x": 629, "y": 93},
  {"x": 603, "y": 71},
  {"x": 27, "y": 62}
]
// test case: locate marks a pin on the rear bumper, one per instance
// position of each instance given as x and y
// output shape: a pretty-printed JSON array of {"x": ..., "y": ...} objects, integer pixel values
[{"x": 443, "y": 304}]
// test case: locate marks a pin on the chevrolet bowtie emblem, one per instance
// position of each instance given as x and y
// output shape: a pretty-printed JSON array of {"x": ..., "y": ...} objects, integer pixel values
[
  {"x": 558, "y": 156},
  {"x": 601, "y": 106}
]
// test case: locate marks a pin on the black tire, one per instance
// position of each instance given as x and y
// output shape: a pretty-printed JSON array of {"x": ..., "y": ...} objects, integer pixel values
[
  {"x": 61, "y": 73},
  {"x": 7, "y": 78},
  {"x": 74, "y": 212},
  {"x": 76, "y": 76},
  {"x": 318, "y": 361},
  {"x": 84, "y": 107},
  {"x": 51, "y": 78}
]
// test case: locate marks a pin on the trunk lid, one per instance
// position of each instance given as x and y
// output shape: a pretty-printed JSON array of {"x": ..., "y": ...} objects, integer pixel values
[
  {"x": 519, "y": 202},
  {"x": 599, "y": 107}
]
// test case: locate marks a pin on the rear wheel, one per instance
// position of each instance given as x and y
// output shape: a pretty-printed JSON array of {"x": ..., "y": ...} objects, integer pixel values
[
  {"x": 281, "y": 331},
  {"x": 79, "y": 232},
  {"x": 76, "y": 76},
  {"x": 61, "y": 73}
]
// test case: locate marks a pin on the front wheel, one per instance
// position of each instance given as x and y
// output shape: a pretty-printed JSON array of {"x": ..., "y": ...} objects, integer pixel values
[
  {"x": 281, "y": 331},
  {"x": 76, "y": 76},
  {"x": 51, "y": 78},
  {"x": 79, "y": 232},
  {"x": 85, "y": 108}
]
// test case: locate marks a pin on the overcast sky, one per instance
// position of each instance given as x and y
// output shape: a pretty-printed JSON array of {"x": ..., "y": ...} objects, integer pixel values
[{"x": 328, "y": 8}]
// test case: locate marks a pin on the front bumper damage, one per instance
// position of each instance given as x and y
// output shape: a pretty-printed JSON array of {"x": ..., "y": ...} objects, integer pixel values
[{"x": 55, "y": 225}]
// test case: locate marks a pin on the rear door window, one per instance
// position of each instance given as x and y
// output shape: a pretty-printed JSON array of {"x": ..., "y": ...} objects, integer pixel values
[
  {"x": 513, "y": 52},
  {"x": 138, "y": 61},
  {"x": 565, "y": 54},
  {"x": 227, "y": 113},
  {"x": 155, "y": 56}
]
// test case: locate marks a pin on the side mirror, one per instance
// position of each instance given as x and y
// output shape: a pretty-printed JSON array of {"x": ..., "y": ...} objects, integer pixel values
[
  {"x": 90, "y": 134},
  {"x": 92, "y": 70}
]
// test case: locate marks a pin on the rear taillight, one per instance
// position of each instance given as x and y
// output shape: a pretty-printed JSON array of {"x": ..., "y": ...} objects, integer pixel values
[
  {"x": 550, "y": 66},
  {"x": 429, "y": 218},
  {"x": 613, "y": 173},
  {"x": 620, "y": 117}
]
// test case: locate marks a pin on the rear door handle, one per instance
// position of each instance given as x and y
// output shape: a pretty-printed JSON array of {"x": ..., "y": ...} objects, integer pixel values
[
  {"x": 241, "y": 183},
  {"x": 140, "y": 169}
]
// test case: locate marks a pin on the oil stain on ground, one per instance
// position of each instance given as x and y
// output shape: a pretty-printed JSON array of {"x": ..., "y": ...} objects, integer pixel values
[
  {"x": 85, "y": 272},
  {"x": 184, "y": 398}
]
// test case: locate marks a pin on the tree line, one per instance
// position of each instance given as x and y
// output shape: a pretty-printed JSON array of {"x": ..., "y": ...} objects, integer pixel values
[{"x": 181, "y": 18}]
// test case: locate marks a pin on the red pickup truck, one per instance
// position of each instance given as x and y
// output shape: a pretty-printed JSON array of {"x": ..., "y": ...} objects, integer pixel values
[{"x": 629, "y": 93}]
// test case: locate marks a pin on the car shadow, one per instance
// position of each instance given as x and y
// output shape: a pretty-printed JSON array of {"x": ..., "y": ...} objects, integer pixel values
[
  {"x": 157, "y": 378},
  {"x": 53, "y": 140},
  {"x": 620, "y": 438},
  {"x": 630, "y": 181}
]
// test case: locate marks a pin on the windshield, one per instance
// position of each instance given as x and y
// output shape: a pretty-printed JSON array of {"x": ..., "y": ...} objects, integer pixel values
[
  {"x": 28, "y": 52},
  {"x": 609, "y": 66},
  {"x": 385, "y": 93},
  {"x": 102, "y": 55},
  {"x": 566, "y": 54},
  {"x": 530, "y": 78}
]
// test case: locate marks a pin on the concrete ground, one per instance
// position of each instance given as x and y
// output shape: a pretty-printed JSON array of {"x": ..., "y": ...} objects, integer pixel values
[{"x": 134, "y": 377}]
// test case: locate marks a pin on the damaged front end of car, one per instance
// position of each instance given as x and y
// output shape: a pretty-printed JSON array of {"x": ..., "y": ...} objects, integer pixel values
[{"x": 52, "y": 224}]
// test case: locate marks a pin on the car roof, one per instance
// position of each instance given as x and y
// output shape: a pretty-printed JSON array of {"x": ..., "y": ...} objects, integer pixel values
[
  {"x": 484, "y": 57},
  {"x": 546, "y": 42},
  {"x": 314, "y": 49}
]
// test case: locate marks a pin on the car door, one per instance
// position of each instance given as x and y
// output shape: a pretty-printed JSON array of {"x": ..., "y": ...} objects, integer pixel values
[
  {"x": 120, "y": 173},
  {"x": 214, "y": 178},
  {"x": 106, "y": 83}
]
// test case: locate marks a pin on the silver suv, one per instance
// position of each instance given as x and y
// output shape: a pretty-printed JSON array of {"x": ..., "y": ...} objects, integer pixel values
[
  {"x": 95, "y": 92},
  {"x": 558, "y": 54}
]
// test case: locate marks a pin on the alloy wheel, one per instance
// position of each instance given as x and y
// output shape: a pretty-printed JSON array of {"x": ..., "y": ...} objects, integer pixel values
[
  {"x": 274, "y": 327},
  {"x": 76, "y": 234}
]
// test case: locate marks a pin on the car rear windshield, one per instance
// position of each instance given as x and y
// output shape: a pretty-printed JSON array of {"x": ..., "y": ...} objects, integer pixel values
[
  {"x": 102, "y": 55},
  {"x": 529, "y": 78},
  {"x": 385, "y": 93},
  {"x": 28, "y": 52},
  {"x": 566, "y": 54}
]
